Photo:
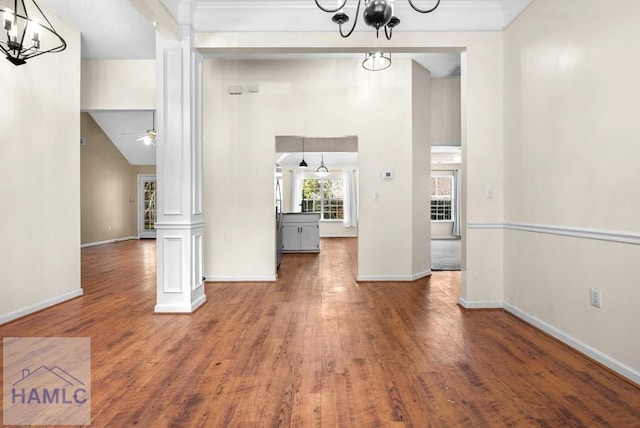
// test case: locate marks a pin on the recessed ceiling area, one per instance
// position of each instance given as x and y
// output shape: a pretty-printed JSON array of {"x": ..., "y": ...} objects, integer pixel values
[
  {"x": 444, "y": 155},
  {"x": 338, "y": 152},
  {"x": 124, "y": 128}
]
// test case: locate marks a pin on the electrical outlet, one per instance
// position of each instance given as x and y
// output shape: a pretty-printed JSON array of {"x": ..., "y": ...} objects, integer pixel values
[{"x": 596, "y": 297}]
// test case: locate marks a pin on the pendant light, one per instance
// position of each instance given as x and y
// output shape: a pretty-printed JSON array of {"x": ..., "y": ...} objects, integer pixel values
[
  {"x": 322, "y": 170},
  {"x": 376, "y": 61},
  {"x": 303, "y": 164}
]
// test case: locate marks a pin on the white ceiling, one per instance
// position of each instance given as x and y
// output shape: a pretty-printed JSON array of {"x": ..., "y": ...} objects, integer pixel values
[
  {"x": 446, "y": 155},
  {"x": 123, "y": 128},
  {"x": 304, "y": 15},
  {"x": 115, "y": 29}
]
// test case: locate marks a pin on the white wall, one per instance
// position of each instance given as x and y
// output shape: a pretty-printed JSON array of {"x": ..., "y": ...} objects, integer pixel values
[
  {"x": 118, "y": 84},
  {"x": 40, "y": 179},
  {"x": 301, "y": 98},
  {"x": 571, "y": 162},
  {"x": 481, "y": 135},
  {"x": 445, "y": 112},
  {"x": 421, "y": 161}
]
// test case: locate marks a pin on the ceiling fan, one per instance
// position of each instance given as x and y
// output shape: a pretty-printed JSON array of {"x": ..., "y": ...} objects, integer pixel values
[{"x": 150, "y": 137}]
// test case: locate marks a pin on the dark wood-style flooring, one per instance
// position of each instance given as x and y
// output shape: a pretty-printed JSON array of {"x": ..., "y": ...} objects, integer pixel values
[{"x": 316, "y": 348}]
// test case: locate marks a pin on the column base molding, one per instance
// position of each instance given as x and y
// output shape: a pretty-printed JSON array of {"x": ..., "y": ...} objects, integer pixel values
[{"x": 178, "y": 309}]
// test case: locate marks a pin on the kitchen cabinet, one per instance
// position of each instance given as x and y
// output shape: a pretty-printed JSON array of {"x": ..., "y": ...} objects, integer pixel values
[{"x": 301, "y": 233}]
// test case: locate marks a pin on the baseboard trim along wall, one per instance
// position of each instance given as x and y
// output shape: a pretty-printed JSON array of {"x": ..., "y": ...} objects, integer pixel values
[
  {"x": 11, "y": 316},
  {"x": 108, "y": 241},
  {"x": 575, "y": 232},
  {"x": 585, "y": 349},
  {"x": 393, "y": 278},
  {"x": 240, "y": 278},
  {"x": 479, "y": 304},
  {"x": 594, "y": 354}
]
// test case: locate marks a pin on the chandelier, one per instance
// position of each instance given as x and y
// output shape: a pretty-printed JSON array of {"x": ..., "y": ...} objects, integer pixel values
[
  {"x": 28, "y": 33},
  {"x": 377, "y": 14}
]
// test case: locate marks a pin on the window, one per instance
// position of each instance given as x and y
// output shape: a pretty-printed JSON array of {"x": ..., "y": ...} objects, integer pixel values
[
  {"x": 441, "y": 197},
  {"x": 324, "y": 196}
]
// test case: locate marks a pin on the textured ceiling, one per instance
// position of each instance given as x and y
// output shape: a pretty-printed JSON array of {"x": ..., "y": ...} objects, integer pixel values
[{"x": 111, "y": 29}]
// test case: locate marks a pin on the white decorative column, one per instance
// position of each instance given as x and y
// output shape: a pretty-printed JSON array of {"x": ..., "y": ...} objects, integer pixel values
[{"x": 180, "y": 222}]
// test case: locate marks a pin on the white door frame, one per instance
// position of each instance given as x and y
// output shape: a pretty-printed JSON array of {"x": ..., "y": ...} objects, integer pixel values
[{"x": 141, "y": 232}]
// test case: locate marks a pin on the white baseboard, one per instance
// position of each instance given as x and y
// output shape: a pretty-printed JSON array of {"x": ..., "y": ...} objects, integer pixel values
[
  {"x": 393, "y": 278},
  {"x": 480, "y": 304},
  {"x": 240, "y": 278},
  {"x": 420, "y": 275},
  {"x": 108, "y": 241},
  {"x": 40, "y": 306},
  {"x": 587, "y": 350}
]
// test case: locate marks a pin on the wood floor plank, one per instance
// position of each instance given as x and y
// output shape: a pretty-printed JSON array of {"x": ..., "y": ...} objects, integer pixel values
[{"x": 318, "y": 349}]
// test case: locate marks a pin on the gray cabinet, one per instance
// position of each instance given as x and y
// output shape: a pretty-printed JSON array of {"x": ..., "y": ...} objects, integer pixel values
[{"x": 301, "y": 233}]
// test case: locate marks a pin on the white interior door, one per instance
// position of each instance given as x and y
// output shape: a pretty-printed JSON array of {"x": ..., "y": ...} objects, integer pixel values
[{"x": 146, "y": 206}]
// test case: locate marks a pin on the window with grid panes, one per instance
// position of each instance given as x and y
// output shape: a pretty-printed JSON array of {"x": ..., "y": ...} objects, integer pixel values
[
  {"x": 324, "y": 196},
  {"x": 441, "y": 197}
]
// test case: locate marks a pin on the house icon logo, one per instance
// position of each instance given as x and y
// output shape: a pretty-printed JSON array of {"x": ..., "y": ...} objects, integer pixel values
[
  {"x": 48, "y": 385},
  {"x": 46, "y": 381}
]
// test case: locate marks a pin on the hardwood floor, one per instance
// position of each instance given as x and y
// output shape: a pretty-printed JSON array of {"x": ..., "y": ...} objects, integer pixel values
[{"x": 316, "y": 348}]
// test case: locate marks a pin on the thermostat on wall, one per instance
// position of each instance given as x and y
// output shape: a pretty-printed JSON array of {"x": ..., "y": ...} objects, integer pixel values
[{"x": 388, "y": 174}]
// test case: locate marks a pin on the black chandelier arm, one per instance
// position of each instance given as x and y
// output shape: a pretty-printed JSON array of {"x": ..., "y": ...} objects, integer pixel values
[
  {"x": 333, "y": 10},
  {"x": 355, "y": 21},
  {"x": 420, "y": 10},
  {"x": 45, "y": 17},
  {"x": 388, "y": 32}
]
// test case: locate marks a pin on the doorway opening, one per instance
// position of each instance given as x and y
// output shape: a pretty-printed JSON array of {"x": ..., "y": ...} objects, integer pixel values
[
  {"x": 147, "y": 206},
  {"x": 327, "y": 187},
  {"x": 446, "y": 208}
]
